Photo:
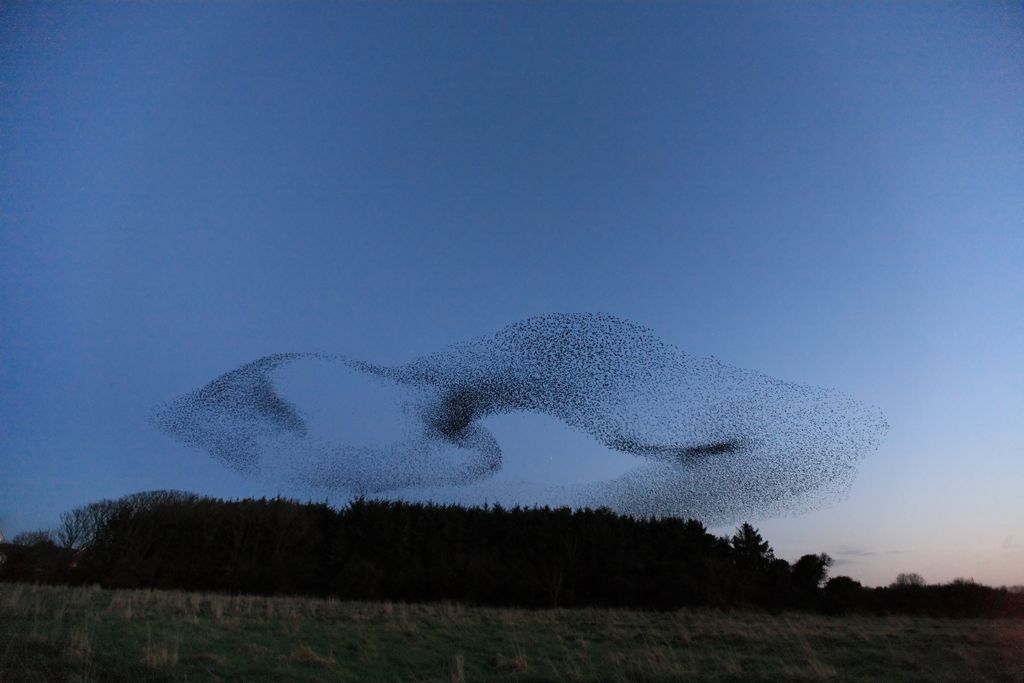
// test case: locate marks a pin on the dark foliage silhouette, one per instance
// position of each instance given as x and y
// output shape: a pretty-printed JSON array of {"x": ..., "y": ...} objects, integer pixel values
[{"x": 532, "y": 557}]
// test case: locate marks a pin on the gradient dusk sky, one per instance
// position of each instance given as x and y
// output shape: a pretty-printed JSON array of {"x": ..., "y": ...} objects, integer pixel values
[{"x": 832, "y": 194}]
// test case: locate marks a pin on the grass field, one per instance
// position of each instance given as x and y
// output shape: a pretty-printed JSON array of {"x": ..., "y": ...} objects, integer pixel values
[{"x": 88, "y": 634}]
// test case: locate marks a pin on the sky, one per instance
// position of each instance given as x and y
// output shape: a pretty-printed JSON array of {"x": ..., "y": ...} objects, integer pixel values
[{"x": 830, "y": 194}]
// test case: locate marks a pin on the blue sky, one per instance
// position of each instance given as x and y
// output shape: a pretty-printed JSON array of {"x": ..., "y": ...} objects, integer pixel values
[{"x": 830, "y": 194}]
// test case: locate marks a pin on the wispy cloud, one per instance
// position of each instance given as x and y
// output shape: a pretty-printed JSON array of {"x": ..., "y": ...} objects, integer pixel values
[
  {"x": 1009, "y": 547},
  {"x": 865, "y": 552}
]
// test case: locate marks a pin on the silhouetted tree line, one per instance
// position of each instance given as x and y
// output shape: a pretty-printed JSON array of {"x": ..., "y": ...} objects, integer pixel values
[{"x": 379, "y": 550}]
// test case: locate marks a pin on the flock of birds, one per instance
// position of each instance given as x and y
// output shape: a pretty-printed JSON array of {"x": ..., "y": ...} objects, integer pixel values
[{"x": 711, "y": 441}]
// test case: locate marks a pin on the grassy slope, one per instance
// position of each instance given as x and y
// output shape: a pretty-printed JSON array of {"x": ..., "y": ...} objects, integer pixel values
[{"x": 56, "y": 633}]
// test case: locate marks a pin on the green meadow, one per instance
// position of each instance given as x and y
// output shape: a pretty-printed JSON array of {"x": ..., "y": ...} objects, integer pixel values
[{"x": 89, "y": 634}]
